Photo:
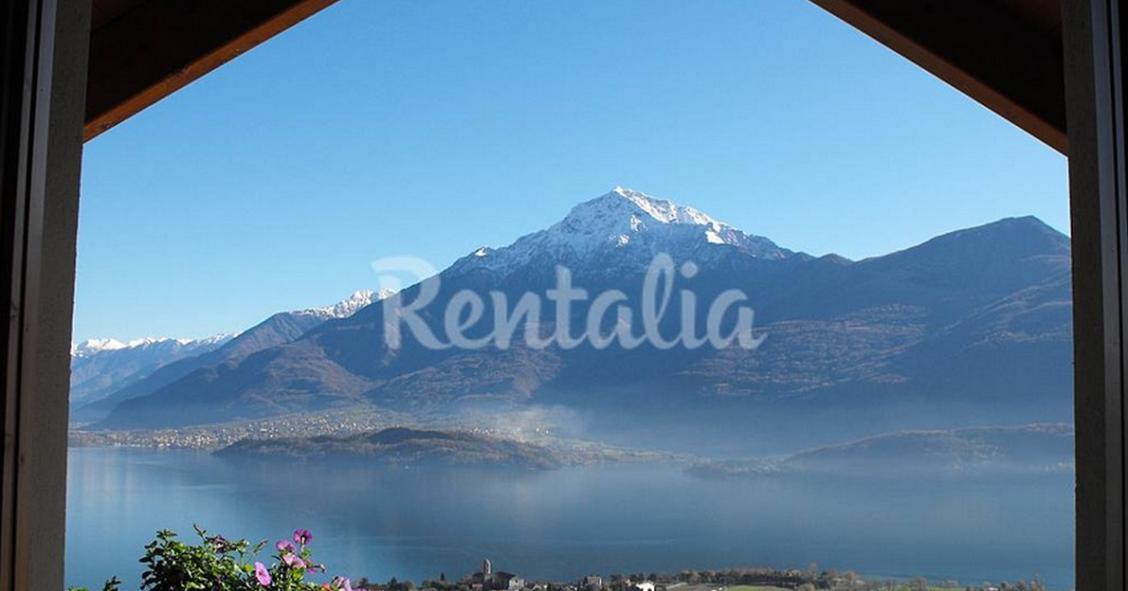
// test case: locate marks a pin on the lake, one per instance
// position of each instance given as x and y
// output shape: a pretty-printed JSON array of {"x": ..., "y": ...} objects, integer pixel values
[{"x": 415, "y": 523}]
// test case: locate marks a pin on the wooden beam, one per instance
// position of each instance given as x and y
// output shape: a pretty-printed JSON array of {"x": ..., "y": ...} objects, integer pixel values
[
  {"x": 162, "y": 45},
  {"x": 984, "y": 48}
]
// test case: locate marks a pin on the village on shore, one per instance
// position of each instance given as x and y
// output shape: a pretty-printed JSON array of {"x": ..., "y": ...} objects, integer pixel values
[{"x": 744, "y": 579}]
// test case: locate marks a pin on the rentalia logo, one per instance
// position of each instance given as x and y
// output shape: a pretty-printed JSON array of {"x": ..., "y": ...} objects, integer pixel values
[{"x": 610, "y": 317}]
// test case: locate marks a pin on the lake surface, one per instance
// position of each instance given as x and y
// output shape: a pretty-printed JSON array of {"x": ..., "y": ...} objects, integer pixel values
[{"x": 414, "y": 523}]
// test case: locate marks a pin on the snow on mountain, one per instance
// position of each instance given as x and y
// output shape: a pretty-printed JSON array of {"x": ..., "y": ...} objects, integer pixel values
[
  {"x": 100, "y": 389},
  {"x": 348, "y": 306},
  {"x": 622, "y": 220},
  {"x": 100, "y": 366},
  {"x": 91, "y": 347},
  {"x": 342, "y": 309}
]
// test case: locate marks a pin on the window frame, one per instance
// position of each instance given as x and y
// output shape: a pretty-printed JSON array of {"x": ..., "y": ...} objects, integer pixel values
[
  {"x": 45, "y": 65},
  {"x": 1094, "y": 74}
]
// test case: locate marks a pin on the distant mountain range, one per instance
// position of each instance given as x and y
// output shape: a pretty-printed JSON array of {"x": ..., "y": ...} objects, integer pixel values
[
  {"x": 104, "y": 372},
  {"x": 100, "y": 367},
  {"x": 972, "y": 327}
]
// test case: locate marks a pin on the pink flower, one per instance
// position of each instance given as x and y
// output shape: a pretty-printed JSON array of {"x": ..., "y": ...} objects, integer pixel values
[
  {"x": 343, "y": 584},
  {"x": 293, "y": 561},
  {"x": 302, "y": 536},
  {"x": 262, "y": 574},
  {"x": 284, "y": 546}
]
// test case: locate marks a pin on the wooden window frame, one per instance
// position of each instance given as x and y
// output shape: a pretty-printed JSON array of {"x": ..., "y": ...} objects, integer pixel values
[
  {"x": 44, "y": 46},
  {"x": 1095, "y": 112},
  {"x": 43, "y": 49}
]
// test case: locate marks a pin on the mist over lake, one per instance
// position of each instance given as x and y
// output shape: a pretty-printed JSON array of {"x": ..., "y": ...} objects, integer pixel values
[{"x": 415, "y": 523}]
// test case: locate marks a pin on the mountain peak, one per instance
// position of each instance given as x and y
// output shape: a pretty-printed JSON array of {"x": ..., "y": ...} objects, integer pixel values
[
  {"x": 626, "y": 221},
  {"x": 1014, "y": 237},
  {"x": 626, "y": 201},
  {"x": 91, "y": 346},
  {"x": 348, "y": 306}
]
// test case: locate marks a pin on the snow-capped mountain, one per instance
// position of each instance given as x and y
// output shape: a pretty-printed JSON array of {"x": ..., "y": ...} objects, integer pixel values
[
  {"x": 624, "y": 226},
  {"x": 968, "y": 325},
  {"x": 100, "y": 366},
  {"x": 278, "y": 329},
  {"x": 91, "y": 347},
  {"x": 94, "y": 346},
  {"x": 348, "y": 306}
]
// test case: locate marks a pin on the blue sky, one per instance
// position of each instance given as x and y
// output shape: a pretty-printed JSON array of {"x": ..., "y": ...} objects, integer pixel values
[{"x": 425, "y": 128}]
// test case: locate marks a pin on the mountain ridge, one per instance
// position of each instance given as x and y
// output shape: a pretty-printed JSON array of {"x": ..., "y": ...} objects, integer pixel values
[
  {"x": 278, "y": 328},
  {"x": 847, "y": 337},
  {"x": 620, "y": 219},
  {"x": 101, "y": 366}
]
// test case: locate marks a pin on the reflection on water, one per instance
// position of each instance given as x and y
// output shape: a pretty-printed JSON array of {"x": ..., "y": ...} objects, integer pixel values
[{"x": 417, "y": 523}]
